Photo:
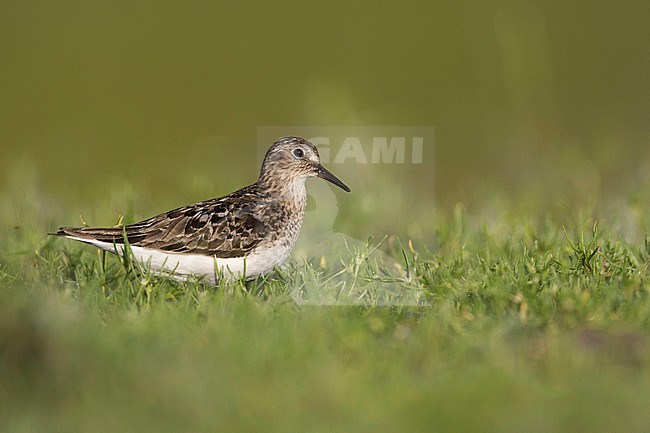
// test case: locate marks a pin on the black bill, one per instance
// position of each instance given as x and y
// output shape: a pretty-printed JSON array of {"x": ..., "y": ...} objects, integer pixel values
[{"x": 324, "y": 174}]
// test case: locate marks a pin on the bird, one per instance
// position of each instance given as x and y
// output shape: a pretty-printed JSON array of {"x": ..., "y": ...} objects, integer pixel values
[{"x": 242, "y": 235}]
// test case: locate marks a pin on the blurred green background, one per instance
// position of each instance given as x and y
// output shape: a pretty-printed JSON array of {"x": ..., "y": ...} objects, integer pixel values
[
  {"x": 541, "y": 113},
  {"x": 152, "y": 94}
]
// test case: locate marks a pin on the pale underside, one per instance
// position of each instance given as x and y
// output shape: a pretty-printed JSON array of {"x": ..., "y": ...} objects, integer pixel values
[{"x": 182, "y": 266}]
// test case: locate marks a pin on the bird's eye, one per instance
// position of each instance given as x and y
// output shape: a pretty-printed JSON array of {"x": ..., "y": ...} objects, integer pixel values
[{"x": 298, "y": 153}]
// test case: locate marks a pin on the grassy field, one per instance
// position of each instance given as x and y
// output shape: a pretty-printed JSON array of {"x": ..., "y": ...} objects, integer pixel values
[
  {"x": 499, "y": 283},
  {"x": 527, "y": 323}
]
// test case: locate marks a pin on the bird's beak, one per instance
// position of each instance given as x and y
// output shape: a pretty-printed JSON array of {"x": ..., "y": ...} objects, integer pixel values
[{"x": 324, "y": 174}]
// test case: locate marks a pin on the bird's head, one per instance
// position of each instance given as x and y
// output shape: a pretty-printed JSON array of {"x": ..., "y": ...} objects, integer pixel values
[{"x": 294, "y": 158}]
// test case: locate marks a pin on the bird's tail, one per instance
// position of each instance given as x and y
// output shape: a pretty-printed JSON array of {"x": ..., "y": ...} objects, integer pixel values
[{"x": 102, "y": 234}]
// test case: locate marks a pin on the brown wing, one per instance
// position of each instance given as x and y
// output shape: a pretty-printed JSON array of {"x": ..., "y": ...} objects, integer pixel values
[{"x": 225, "y": 227}]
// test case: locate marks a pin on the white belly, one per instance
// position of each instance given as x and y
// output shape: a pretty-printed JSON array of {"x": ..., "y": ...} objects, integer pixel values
[{"x": 180, "y": 266}]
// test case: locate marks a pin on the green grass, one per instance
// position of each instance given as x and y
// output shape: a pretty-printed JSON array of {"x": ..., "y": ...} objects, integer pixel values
[{"x": 529, "y": 323}]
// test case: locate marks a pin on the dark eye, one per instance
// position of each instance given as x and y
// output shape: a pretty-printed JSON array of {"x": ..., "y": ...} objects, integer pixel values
[{"x": 298, "y": 153}]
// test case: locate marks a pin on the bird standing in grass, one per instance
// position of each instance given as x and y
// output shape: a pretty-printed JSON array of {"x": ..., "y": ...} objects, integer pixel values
[{"x": 244, "y": 234}]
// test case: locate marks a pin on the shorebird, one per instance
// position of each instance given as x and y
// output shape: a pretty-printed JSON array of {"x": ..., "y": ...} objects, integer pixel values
[{"x": 244, "y": 234}]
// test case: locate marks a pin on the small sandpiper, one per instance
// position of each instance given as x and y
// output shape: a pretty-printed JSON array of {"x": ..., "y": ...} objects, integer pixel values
[{"x": 244, "y": 234}]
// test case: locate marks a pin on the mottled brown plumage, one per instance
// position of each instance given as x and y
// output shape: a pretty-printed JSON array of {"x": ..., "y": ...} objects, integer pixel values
[
  {"x": 250, "y": 222},
  {"x": 223, "y": 227}
]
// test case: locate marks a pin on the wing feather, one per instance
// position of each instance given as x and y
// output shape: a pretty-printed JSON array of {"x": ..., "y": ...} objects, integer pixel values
[{"x": 225, "y": 227}]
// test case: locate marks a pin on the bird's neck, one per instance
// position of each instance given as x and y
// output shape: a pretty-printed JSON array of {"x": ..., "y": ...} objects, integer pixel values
[
  {"x": 291, "y": 191},
  {"x": 296, "y": 193}
]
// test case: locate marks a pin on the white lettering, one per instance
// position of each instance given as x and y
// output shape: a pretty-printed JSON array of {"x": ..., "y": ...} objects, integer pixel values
[
  {"x": 351, "y": 148},
  {"x": 387, "y": 153},
  {"x": 416, "y": 151}
]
